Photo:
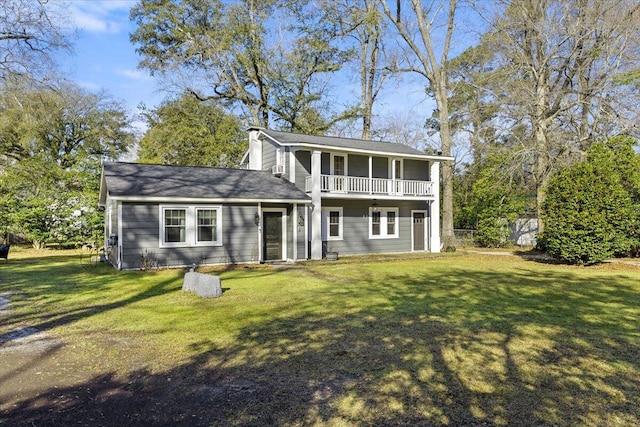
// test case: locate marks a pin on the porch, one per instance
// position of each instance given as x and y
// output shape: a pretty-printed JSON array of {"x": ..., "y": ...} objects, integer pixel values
[{"x": 375, "y": 186}]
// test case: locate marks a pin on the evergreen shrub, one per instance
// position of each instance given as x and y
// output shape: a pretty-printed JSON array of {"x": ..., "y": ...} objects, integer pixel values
[{"x": 587, "y": 214}]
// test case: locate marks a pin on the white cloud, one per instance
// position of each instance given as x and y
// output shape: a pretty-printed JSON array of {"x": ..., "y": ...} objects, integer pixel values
[
  {"x": 132, "y": 74},
  {"x": 94, "y": 87},
  {"x": 103, "y": 16}
]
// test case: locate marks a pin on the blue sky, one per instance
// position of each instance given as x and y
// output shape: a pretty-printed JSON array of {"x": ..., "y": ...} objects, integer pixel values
[
  {"x": 103, "y": 56},
  {"x": 105, "y": 59}
]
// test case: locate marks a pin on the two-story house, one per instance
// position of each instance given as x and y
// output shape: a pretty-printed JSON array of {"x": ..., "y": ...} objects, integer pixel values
[
  {"x": 366, "y": 196},
  {"x": 298, "y": 197}
]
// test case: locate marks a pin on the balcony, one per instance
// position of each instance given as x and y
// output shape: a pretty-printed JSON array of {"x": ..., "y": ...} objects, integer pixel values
[{"x": 339, "y": 184}]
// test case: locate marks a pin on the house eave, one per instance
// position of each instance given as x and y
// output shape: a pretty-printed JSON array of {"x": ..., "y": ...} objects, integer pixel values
[
  {"x": 164, "y": 199},
  {"x": 375, "y": 196},
  {"x": 328, "y": 148},
  {"x": 103, "y": 193}
]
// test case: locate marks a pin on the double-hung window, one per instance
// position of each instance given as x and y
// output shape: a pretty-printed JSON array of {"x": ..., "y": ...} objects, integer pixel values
[
  {"x": 376, "y": 217},
  {"x": 175, "y": 225},
  {"x": 383, "y": 223},
  {"x": 183, "y": 226},
  {"x": 332, "y": 223},
  {"x": 207, "y": 226}
]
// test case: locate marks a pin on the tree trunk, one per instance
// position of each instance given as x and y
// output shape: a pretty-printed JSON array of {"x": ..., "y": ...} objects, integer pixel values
[
  {"x": 447, "y": 167},
  {"x": 541, "y": 167}
]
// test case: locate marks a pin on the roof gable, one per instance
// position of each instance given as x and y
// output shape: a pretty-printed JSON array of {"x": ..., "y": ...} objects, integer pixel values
[{"x": 135, "y": 180}]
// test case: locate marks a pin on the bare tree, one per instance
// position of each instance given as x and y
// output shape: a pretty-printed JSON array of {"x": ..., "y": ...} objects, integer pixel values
[
  {"x": 370, "y": 36},
  {"x": 367, "y": 27},
  {"x": 564, "y": 60},
  {"x": 402, "y": 127},
  {"x": 361, "y": 27},
  {"x": 418, "y": 29},
  {"x": 266, "y": 58},
  {"x": 31, "y": 32}
]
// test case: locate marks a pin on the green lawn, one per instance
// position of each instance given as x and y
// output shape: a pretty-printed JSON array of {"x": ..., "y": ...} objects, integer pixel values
[{"x": 454, "y": 339}]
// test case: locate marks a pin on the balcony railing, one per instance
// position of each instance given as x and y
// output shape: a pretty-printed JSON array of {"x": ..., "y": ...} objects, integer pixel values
[{"x": 375, "y": 186}]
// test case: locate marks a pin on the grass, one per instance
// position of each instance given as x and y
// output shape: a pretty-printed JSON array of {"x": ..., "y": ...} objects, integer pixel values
[{"x": 456, "y": 339}]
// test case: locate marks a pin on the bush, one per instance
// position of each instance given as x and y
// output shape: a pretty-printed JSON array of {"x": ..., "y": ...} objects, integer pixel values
[
  {"x": 493, "y": 232},
  {"x": 587, "y": 214}
]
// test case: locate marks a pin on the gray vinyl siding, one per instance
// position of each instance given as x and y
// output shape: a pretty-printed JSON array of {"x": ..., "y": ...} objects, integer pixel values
[
  {"x": 112, "y": 253},
  {"x": 269, "y": 149},
  {"x": 298, "y": 220},
  {"x": 358, "y": 165},
  {"x": 289, "y": 225},
  {"x": 380, "y": 167},
  {"x": 141, "y": 237},
  {"x": 355, "y": 230},
  {"x": 286, "y": 152},
  {"x": 303, "y": 168},
  {"x": 417, "y": 170}
]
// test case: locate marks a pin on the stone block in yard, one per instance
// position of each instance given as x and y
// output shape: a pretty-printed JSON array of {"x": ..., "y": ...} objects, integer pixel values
[{"x": 204, "y": 285}]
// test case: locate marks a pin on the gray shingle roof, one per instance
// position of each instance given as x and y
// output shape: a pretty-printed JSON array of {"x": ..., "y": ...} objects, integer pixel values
[
  {"x": 144, "y": 180},
  {"x": 345, "y": 143}
]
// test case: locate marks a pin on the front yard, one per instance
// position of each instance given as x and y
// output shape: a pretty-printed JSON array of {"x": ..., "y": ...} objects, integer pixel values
[{"x": 455, "y": 339}]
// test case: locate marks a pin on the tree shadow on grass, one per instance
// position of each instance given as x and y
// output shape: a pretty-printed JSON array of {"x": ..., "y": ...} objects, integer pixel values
[
  {"x": 59, "y": 317},
  {"x": 459, "y": 348}
]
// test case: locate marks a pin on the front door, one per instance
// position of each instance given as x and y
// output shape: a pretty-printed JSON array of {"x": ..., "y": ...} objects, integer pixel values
[
  {"x": 272, "y": 236},
  {"x": 418, "y": 231}
]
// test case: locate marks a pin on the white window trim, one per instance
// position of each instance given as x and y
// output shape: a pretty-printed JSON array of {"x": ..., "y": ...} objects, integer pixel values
[
  {"x": 383, "y": 223},
  {"x": 346, "y": 163},
  {"x": 283, "y": 211},
  {"x": 218, "y": 241},
  {"x": 325, "y": 223},
  {"x": 426, "y": 230},
  {"x": 164, "y": 244},
  {"x": 392, "y": 160},
  {"x": 191, "y": 226}
]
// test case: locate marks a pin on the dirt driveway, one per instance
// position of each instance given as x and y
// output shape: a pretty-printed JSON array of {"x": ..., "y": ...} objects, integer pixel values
[{"x": 46, "y": 381}]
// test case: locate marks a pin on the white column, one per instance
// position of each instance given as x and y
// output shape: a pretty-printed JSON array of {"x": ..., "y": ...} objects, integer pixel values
[
  {"x": 294, "y": 225},
  {"x": 434, "y": 208},
  {"x": 393, "y": 176},
  {"x": 306, "y": 232},
  {"x": 259, "y": 212},
  {"x": 316, "y": 214},
  {"x": 370, "y": 174}
]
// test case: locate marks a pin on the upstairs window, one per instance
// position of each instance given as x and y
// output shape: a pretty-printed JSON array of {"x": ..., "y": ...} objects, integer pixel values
[
  {"x": 397, "y": 169},
  {"x": 338, "y": 165}
]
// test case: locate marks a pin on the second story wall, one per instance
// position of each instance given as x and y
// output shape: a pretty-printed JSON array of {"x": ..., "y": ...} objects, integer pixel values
[
  {"x": 269, "y": 154},
  {"x": 357, "y": 165},
  {"x": 303, "y": 167},
  {"x": 294, "y": 160}
]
